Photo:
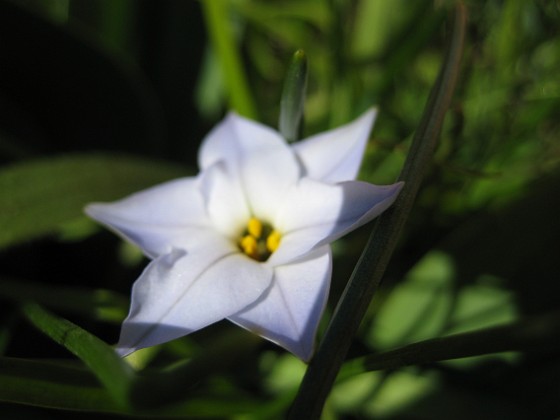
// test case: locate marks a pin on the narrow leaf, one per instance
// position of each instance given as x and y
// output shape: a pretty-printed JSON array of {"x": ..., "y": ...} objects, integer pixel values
[{"x": 114, "y": 373}]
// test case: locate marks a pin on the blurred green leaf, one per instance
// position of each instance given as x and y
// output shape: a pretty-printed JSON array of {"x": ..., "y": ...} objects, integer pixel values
[
  {"x": 383, "y": 394},
  {"x": 354, "y": 391},
  {"x": 482, "y": 305},
  {"x": 283, "y": 373},
  {"x": 38, "y": 197},
  {"x": 400, "y": 389},
  {"x": 419, "y": 307},
  {"x": 102, "y": 305},
  {"x": 210, "y": 89},
  {"x": 375, "y": 22},
  {"x": 316, "y": 12},
  {"x": 67, "y": 387},
  {"x": 218, "y": 23}
]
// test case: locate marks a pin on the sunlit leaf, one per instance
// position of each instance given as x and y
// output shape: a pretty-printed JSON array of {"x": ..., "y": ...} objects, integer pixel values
[
  {"x": 419, "y": 307},
  {"x": 400, "y": 389},
  {"x": 282, "y": 372},
  {"x": 355, "y": 391},
  {"x": 482, "y": 305}
]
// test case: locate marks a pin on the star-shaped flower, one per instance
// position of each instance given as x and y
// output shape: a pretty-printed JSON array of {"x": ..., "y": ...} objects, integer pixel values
[{"x": 248, "y": 238}]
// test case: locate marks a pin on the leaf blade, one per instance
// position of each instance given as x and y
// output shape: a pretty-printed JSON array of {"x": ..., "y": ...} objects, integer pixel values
[{"x": 113, "y": 372}]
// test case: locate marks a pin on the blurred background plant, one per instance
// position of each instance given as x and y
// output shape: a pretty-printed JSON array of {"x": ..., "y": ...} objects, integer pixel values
[{"x": 102, "y": 98}]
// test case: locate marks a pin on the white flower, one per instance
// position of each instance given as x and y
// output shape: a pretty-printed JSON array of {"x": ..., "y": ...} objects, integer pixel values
[{"x": 248, "y": 238}]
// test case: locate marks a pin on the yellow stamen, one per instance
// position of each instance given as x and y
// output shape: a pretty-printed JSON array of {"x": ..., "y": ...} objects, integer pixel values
[
  {"x": 259, "y": 240},
  {"x": 254, "y": 227},
  {"x": 249, "y": 245},
  {"x": 273, "y": 241}
]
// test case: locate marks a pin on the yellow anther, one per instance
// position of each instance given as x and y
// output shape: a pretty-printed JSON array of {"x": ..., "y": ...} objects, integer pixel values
[
  {"x": 273, "y": 241},
  {"x": 254, "y": 227},
  {"x": 259, "y": 240},
  {"x": 249, "y": 245}
]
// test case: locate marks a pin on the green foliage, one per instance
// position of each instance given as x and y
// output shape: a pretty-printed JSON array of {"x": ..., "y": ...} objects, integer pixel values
[
  {"x": 109, "y": 368},
  {"x": 39, "y": 196},
  {"x": 102, "y": 305},
  {"x": 467, "y": 312},
  {"x": 54, "y": 385}
]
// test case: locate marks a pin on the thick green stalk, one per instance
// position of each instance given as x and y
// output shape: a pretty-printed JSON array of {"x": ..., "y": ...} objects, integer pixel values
[{"x": 367, "y": 274}]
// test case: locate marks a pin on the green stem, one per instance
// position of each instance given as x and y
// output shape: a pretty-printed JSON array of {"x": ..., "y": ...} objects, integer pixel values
[
  {"x": 367, "y": 274},
  {"x": 223, "y": 41}
]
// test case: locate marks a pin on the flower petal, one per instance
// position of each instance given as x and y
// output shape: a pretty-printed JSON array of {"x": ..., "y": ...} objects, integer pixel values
[
  {"x": 258, "y": 155},
  {"x": 267, "y": 176},
  {"x": 225, "y": 199},
  {"x": 336, "y": 155},
  {"x": 158, "y": 218},
  {"x": 232, "y": 138},
  {"x": 179, "y": 293},
  {"x": 289, "y": 313},
  {"x": 316, "y": 213}
]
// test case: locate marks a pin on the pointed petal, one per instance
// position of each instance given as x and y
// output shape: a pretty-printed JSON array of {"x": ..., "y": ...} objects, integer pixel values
[
  {"x": 289, "y": 313},
  {"x": 179, "y": 293},
  {"x": 232, "y": 138},
  {"x": 258, "y": 155},
  {"x": 158, "y": 218},
  {"x": 317, "y": 214},
  {"x": 336, "y": 155}
]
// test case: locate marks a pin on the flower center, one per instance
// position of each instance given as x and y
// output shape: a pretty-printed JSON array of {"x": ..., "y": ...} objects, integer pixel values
[{"x": 259, "y": 240}]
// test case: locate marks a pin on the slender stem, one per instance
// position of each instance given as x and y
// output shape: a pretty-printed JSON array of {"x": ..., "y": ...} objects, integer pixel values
[
  {"x": 367, "y": 274},
  {"x": 223, "y": 41}
]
